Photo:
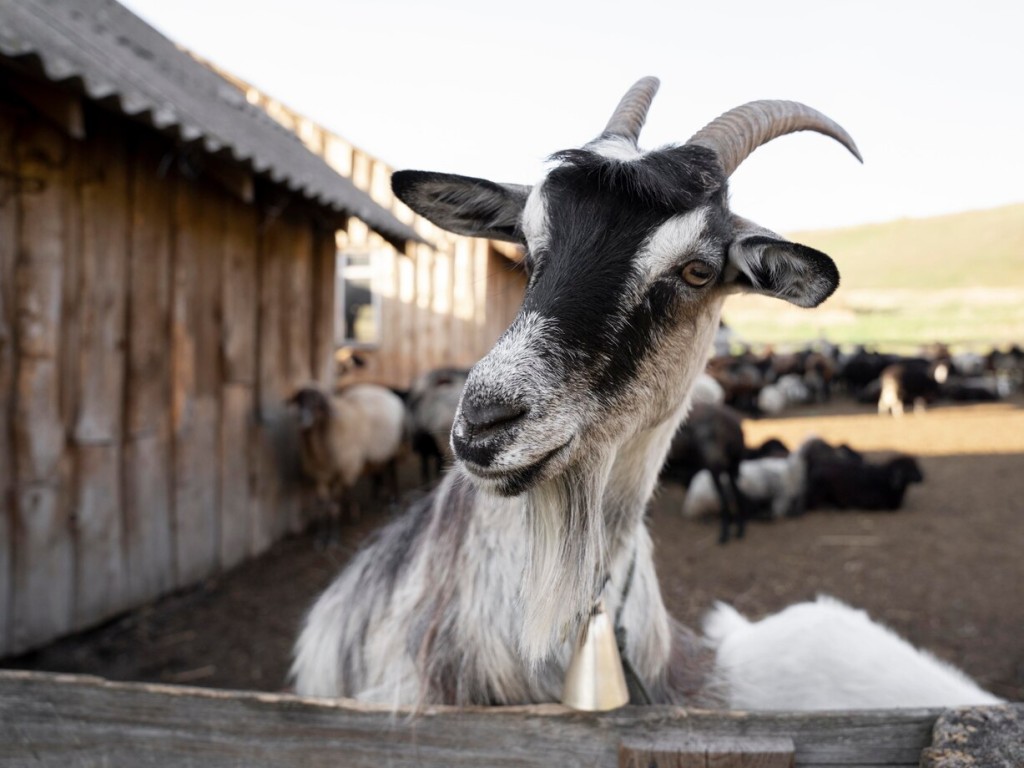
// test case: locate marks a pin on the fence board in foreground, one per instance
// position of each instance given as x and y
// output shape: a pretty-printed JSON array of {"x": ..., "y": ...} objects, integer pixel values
[{"x": 65, "y": 720}]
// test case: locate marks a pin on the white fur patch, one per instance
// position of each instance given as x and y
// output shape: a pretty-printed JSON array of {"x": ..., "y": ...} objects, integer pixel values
[
  {"x": 826, "y": 655},
  {"x": 666, "y": 248},
  {"x": 616, "y": 148},
  {"x": 535, "y": 219}
]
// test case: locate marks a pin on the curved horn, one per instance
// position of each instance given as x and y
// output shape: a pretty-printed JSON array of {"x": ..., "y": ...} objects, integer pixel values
[
  {"x": 740, "y": 131},
  {"x": 629, "y": 116}
]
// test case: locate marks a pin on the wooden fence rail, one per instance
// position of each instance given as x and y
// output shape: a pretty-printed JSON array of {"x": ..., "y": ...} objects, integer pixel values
[{"x": 66, "y": 720}]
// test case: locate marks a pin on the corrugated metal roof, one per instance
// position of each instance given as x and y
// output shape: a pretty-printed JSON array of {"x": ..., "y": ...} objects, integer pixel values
[{"x": 113, "y": 56}]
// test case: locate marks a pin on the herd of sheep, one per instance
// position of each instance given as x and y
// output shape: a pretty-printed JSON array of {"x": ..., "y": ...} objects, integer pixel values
[
  {"x": 365, "y": 429},
  {"x": 768, "y": 383}
]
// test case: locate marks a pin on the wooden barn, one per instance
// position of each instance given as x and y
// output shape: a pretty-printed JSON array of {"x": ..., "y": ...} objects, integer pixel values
[
  {"x": 167, "y": 276},
  {"x": 441, "y": 302}
]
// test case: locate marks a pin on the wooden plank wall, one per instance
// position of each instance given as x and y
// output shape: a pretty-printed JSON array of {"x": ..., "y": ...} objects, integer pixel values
[{"x": 151, "y": 327}]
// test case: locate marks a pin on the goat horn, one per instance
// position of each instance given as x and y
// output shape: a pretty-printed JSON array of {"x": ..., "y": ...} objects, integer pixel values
[
  {"x": 631, "y": 113},
  {"x": 737, "y": 133}
]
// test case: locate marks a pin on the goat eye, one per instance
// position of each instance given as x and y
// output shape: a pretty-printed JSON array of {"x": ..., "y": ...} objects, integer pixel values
[{"x": 698, "y": 273}]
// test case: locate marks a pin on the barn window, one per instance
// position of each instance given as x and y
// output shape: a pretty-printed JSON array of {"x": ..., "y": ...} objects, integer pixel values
[{"x": 357, "y": 317}]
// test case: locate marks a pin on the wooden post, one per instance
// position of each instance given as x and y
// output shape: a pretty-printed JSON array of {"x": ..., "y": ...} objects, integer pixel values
[
  {"x": 440, "y": 336},
  {"x": 462, "y": 304},
  {"x": 276, "y": 443},
  {"x": 407, "y": 315},
  {"x": 43, "y": 591},
  {"x": 196, "y": 380},
  {"x": 148, "y": 505},
  {"x": 297, "y": 319},
  {"x": 9, "y": 189},
  {"x": 103, "y": 204},
  {"x": 322, "y": 335},
  {"x": 424, "y": 301},
  {"x": 241, "y": 298}
]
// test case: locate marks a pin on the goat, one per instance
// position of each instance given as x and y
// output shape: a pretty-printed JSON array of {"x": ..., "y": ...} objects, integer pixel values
[
  {"x": 911, "y": 381},
  {"x": 776, "y": 485},
  {"x": 857, "y": 663},
  {"x": 361, "y": 428},
  {"x": 472, "y": 596},
  {"x": 843, "y": 483}
]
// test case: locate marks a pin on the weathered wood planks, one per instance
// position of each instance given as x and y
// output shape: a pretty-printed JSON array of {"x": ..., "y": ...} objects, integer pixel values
[
  {"x": 62, "y": 719},
  {"x": 43, "y": 584},
  {"x": 8, "y": 255},
  {"x": 148, "y": 472},
  {"x": 134, "y": 395},
  {"x": 98, "y": 367}
]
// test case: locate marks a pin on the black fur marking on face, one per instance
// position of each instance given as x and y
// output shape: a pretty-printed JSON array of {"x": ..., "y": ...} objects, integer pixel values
[{"x": 600, "y": 212}]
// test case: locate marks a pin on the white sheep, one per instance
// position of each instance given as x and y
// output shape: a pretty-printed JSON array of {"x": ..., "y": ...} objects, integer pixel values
[
  {"x": 777, "y": 482},
  {"x": 707, "y": 390},
  {"x": 771, "y": 400},
  {"x": 827, "y": 655},
  {"x": 360, "y": 429}
]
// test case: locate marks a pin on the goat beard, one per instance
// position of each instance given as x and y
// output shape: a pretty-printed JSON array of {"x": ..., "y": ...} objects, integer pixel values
[{"x": 566, "y": 567}]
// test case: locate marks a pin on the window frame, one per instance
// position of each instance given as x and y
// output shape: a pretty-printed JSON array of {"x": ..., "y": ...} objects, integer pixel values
[{"x": 342, "y": 277}]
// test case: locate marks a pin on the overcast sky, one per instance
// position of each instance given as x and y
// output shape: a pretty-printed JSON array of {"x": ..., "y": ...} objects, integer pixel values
[{"x": 931, "y": 91}]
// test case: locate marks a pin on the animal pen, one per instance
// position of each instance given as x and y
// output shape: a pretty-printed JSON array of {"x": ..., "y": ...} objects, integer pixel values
[{"x": 167, "y": 276}]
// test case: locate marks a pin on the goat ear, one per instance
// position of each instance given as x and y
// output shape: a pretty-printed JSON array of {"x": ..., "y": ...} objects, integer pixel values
[
  {"x": 464, "y": 205},
  {"x": 763, "y": 262}
]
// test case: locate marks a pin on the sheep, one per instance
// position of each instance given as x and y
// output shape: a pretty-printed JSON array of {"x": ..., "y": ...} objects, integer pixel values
[
  {"x": 360, "y": 429},
  {"x": 776, "y": 484},
  {"x": 858, "y": 371},
  {"x": 474, "y": 595},
  {"x": 707, "y": 390},
  {"x": 771, "y": 448},
  {"x": 849, "y": 484},
  {"x": 787, "y": 389},
  {"x": 432, "y": 403},
  {"x": 771, "y": 400},
  {"x": 741, "y": 380},
  {"x": 856, "y": 662},
  {"x": 816, "y": 451},
  {"x": 975, "y": 389},
  {"x": 910, "y": 381},
  {"x": 711, "y": 439},
  {"x": 346, "y": 362},
  {"x": 819, "y": 371},
  {"x": 1007, "y": 365}
]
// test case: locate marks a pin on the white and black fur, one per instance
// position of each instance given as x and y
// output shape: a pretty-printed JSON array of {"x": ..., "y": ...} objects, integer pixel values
[{"x": 473, "y": 596}]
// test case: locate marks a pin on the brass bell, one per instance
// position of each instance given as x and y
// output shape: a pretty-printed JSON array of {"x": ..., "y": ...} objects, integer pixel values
[{"x": 595, "y": 681}]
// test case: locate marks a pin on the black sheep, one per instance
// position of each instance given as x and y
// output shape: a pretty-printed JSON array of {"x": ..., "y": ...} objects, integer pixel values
[{"x": 847, "y": 483}]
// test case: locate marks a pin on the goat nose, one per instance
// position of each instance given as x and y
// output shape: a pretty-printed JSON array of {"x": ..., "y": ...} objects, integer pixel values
[
  {"x": 483, "y": 418},
  {"x": 484, "y": 427}
]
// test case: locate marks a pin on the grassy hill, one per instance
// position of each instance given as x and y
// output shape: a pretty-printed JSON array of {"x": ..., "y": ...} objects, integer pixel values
[{"x": 956, "y": 278}]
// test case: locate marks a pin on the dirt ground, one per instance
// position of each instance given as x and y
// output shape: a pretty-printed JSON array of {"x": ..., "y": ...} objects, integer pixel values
[{"x": 947, "y": 571}]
